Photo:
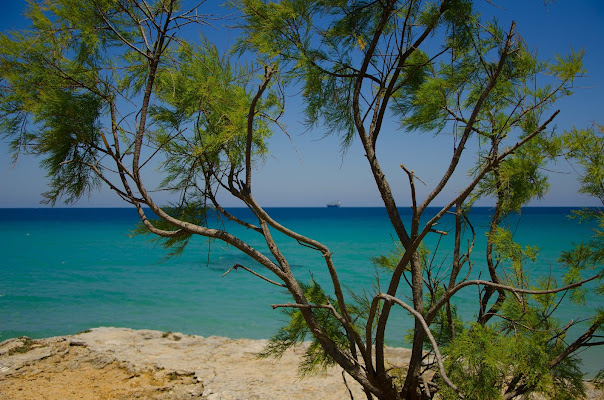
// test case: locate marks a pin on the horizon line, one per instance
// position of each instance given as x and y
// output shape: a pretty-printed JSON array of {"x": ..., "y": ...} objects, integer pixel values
[{"x": 243, "y": 207}]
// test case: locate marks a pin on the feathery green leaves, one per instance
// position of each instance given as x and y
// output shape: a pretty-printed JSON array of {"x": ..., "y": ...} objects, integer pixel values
[{"x": 315, "y": 358}]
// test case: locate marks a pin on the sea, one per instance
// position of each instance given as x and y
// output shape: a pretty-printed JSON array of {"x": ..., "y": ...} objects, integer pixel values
[{"x": 65, "y": 270}]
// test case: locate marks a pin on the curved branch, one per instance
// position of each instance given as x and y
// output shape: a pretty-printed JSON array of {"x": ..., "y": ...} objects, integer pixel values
[
  {"x": 231, "y": 216},
  {"x": 264, "y": 216},
  {"x": 476, "y": 282},
  {"x": 339, "y": 75},
  {"x": 422, "y": 321},
  {"x": 111, "y": 186}
]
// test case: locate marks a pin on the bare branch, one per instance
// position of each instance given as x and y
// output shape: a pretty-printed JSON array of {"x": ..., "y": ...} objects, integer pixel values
[
  {"x": 421, "y": 319},
  {"x": 580, "y": 342},
  {"x": 477, "y": 282},
  {"x": 264, "y": 216},
  {"x": 273, "y": 247},
  {"x": 119, "y": 35},
  {"x": 236, "y": 266},
  {"x": 346, "y": 384}
]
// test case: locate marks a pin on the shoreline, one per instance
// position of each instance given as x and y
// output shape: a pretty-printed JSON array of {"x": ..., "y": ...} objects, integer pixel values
[{"x": 123, "y": 363}]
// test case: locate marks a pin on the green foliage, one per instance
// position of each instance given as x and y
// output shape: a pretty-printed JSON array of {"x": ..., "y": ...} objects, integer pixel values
[
  {"x": 539, "y": 338},
  {"x": 70, "y": 130},
  {"x": 193, "y": 212},
  {"x": 69, "y": 81},
  {"x": 315, "y": 358},
  {"x": 476, "y": 360},
  {"x": 390, "y": 260},
  {"x": 520, "y": 179},
  {"x": 205, "y": 98},
  {"x": 587, "y": 148},
  {"x": 318, "y": 42},
  {"x": 45, "y": 105},
  {"x": 514, "y": 109},
  {"x": 512, "y": 253},
  {"x": 446, "y": 324},
  {"x": 517, "y": 180},
  {"x": 57, "y": 81},
  {"x": 487, "y": 363},
  {"x": 515, "y": 352},
  {"x": 578, "y": 259},
  {"x": 63, "y": 78}
]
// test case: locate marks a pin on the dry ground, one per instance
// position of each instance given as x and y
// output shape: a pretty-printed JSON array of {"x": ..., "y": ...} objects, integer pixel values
[{"x": 115, "y": 363}]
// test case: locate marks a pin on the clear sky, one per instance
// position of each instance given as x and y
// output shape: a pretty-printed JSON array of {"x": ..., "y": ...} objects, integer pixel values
[{"x": 311, "y": 172}]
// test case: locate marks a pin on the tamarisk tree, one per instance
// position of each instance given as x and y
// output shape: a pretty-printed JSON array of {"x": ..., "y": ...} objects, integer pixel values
[{"x": 104, "y": 90}]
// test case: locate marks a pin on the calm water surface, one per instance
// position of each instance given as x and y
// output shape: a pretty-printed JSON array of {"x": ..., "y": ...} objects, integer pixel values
[{"x": 67, "y": 270}]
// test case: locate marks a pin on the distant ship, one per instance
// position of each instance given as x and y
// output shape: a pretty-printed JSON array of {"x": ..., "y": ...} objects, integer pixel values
[{"x": 334, "y": 204}]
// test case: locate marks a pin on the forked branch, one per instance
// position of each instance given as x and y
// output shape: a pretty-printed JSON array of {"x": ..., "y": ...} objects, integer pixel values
[{"x": 428, "y": 333}]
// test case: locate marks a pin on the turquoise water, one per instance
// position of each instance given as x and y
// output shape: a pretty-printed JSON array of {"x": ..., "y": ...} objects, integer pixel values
[{"x": 67, "y": 270}]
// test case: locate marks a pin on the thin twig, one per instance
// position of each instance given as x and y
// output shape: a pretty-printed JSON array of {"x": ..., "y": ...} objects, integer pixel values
[
  {"x": 236, "y": 266},
  {"x": 346, "y": 384}
]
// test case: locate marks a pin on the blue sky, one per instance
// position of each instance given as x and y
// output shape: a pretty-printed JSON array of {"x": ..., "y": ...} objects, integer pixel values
[{"x": 311, "y": 172}]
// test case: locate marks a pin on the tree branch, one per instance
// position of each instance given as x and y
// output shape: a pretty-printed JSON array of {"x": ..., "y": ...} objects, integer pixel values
[
  {"x": 468, "y": 129},
  {"x": 422, "y": 321},
  {"x": 236, "y": 266},
  {"x": 450, "y": 292},
  {"x": 268, "y": 73}
]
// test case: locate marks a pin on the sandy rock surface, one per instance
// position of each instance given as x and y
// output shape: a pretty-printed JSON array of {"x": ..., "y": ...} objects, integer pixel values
[
  {"x": 115, "y": 363},
  {"x": 118, "y": 363}
]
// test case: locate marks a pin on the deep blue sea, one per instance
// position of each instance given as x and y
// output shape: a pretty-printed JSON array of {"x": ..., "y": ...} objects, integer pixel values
[{"x": 65, "y": 270}]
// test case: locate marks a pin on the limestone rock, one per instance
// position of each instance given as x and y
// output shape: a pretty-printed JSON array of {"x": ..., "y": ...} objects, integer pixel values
[{"x": 118, "y": 363}]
